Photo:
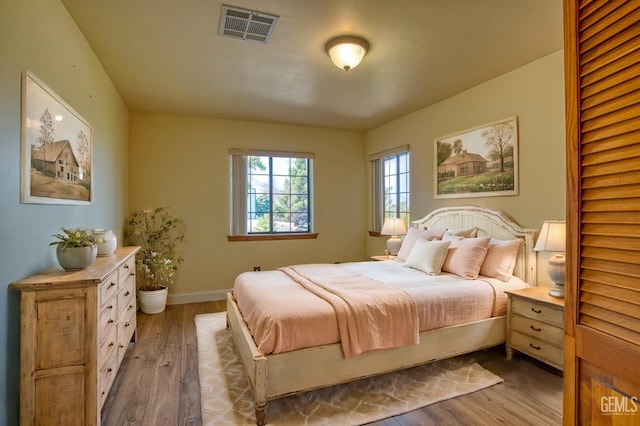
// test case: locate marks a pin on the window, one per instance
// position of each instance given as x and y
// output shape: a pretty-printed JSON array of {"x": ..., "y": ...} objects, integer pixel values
[
  {"x": 271, "y": 193},
  {"x": 390, "y": 181}
]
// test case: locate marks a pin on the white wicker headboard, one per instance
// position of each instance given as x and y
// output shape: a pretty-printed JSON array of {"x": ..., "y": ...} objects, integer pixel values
[{"x": 492, "y": 223}]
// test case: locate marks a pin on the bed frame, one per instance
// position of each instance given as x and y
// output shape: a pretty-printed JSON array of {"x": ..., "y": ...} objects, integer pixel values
[{"x": 277, "y": 375}]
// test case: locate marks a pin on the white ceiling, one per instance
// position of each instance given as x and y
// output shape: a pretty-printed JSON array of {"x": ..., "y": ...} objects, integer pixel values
[{"x": 166, "y": 55}]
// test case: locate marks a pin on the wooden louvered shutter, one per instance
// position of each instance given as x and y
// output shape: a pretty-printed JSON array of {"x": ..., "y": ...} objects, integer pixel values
[{"x": 602, "y": 343}]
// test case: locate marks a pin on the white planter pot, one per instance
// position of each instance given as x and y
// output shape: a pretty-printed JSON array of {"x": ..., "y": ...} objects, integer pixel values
[
  {"x": 107, "y": 242},
  {"x": 76, "y": 258},
  {"x": 154, "y": 301}
]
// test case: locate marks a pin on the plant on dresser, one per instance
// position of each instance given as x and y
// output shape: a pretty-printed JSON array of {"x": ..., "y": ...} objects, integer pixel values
[
  {"x": 75, "y": 328},
  {"x": 76, "y": 248}
]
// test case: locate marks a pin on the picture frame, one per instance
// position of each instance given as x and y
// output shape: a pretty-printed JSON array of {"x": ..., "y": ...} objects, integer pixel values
[
  {"x": 478, "y": 162},
  {"x": 56, "y": 157}
]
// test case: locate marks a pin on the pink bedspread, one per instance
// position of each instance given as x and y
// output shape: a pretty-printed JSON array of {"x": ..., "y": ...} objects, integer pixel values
[
  {"x": 282, "y": 315},
  {"x": 371, "y": 315}
]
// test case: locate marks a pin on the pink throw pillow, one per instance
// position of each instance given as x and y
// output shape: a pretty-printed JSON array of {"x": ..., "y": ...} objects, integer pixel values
[
  {"x": 501, "y": 259},
  {"x": 465, "y": 255},
  {"x": 413, "y": 235}
]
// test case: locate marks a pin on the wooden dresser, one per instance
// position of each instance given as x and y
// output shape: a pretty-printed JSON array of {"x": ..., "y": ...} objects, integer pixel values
[
  {"x": 535, "y": 325},
  {"x": 75, "y": 328}
]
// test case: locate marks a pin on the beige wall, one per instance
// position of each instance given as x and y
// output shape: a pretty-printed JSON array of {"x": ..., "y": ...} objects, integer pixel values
[
  {"x": 40, "y": 36},
  {"x": 535, "y": 94},
  {"x": 183, "y": 163}
]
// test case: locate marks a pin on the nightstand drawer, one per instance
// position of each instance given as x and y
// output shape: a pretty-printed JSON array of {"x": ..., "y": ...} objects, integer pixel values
[
  {"x": 540, "y": 311},
  {"x": 538, "y": 329},
  {"x": 537, "y": 348}
]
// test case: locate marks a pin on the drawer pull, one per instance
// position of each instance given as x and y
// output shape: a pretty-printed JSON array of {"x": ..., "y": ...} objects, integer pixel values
[
  {"x": 110, "y": 307},
  {"x": 109, "y": 370},
  {"x": 126, "y": 324},
  {"x": 131, "y": 274},
  {"x": 127, "y": 293},
  {"x": 110, "y": 321},
  {"x": 121, "y": 346},
  {"x": 534, "y": 328},
  {"x": 537, "y": 311},
  {"x": 537, "y": 348},
  {"x": 112, "y": 284},
  {"x": 130, "y": 306},
  {"x": 126, "y": 266},
  {"x": 111, "y": 344}
]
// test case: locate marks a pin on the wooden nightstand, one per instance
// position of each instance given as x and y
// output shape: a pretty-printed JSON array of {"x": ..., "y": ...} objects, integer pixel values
[{"x": 535, "y": 325}]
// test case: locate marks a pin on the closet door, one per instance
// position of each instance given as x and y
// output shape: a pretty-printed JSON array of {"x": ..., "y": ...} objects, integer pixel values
[{"x": 602, "y": 341}]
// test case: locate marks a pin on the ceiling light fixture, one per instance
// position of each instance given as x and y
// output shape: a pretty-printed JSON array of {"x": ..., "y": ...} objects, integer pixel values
[{"x": 346, "y": 52}]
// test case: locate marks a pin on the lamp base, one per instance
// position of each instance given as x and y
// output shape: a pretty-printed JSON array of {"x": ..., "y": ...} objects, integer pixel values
[
  {"x": 393, "y": 245},
  {"x": 557, "y": 290},
  {"x": 556, "y": 273}
]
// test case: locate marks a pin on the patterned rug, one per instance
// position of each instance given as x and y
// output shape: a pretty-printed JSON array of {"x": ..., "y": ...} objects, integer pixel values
[{"x": 226, "y": 398}]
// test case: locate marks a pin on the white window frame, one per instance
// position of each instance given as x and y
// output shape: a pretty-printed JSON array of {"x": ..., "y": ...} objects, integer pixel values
[
  {"x": 378, "y": 196},
  {"x": 239, "y": 194}
]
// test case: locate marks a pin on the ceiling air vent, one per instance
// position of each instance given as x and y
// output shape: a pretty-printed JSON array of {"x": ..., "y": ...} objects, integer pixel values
[{"x": 246, "y": 24}]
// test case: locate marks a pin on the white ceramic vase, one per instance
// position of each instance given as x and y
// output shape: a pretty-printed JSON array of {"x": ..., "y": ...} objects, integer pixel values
[
  {"x": 107, "y": 242},
  {"x": 153, "y": 301}
]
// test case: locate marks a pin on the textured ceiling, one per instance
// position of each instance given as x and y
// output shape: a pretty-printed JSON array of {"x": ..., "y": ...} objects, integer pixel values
[{"x": 167, "y": 56}]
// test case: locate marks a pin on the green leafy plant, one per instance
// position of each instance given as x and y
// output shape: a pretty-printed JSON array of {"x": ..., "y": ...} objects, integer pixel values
[
  {"x": 74, "y": 237},
  {"x": 158, "y": 233}
]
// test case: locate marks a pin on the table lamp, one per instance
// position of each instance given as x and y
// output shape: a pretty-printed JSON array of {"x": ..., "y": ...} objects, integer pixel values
[
  {"x": 553, "y": 238},
  {"x": 393, "y": 226}
]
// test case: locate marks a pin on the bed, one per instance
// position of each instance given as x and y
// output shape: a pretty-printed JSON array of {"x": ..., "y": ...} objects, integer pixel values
[{"x": 274, "y": 372}]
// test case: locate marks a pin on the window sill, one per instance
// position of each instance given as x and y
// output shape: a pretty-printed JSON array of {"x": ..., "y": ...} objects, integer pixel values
[{"x": 272, "y": 237}]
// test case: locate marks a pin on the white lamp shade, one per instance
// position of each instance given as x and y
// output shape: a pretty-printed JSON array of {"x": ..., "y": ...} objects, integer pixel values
[
  {"x": 393, "y": 226},
  {"x": 552, "y": 236},
  {"x": 347, "y": 52}
]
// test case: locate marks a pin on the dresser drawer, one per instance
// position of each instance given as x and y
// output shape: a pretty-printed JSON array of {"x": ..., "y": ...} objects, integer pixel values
[
  {"x": 127, "y": 326},
  {"x": 107, "y": 373},
  {"x": 107, "y": 319},
  {"x": 537, "y": 329},
  {"x": 127, "y": 297},
  {"x": 127, "y": 270},
  {"x": 108, "y": 288},
  {"x": 540, "y": 311},
  {"x": 537, "y": 348},
  {"x": 108, "y": 347}
]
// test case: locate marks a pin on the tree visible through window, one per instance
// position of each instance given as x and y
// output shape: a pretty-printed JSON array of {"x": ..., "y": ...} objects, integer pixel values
[
  {"x": 396, "y": 186},
  {"x": 278, "y": 195}
]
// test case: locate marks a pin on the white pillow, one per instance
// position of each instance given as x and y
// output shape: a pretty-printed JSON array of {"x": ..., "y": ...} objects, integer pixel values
[
  {"x": 428, "y": 256},
  {"x": 415, "y": 234}
]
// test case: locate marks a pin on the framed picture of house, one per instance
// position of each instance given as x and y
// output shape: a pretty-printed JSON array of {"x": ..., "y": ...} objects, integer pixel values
[
  {"x": 56, "y": 148},
  {"x": 478, "y": 162}
]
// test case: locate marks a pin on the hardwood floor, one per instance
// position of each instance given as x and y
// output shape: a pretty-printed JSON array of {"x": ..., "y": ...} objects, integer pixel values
[{"x": 158, "y": 383}]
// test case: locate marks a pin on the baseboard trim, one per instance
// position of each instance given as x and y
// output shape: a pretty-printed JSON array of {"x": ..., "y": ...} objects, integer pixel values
[{"x": 198, "y": 296}]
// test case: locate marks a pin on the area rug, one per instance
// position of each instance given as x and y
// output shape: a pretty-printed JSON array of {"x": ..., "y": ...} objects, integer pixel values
[{"x": 226, "y": 397}]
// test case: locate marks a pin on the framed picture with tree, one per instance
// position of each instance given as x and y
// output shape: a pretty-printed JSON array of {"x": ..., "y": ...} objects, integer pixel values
[
  {"x": 56, "y": 148},
  {"x": 478, "y": 162}
]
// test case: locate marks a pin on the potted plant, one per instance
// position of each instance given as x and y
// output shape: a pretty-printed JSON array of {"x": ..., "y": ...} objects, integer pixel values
[
  {"x": 157, "y": 233},
  {"x": 76, "y": 248}
]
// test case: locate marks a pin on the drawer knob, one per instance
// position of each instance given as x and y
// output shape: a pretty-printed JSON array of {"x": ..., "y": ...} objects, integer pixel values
[
  {"x": 126, "y": 324},
  {"x": 127, "y": 293},
  {"x": 112, "y": 284},
  {"x": 110, "y": 307},
  {"x": 111, "y": 344},
  {"x": 126, "y": 266},
  {"x": 121, "y": 346},
  {"x": 130, "y": 306},
  {"x": 110, "y": 321},
  {"x": 537, "y": 348},
  {"x": 109, "y": 370},
  {"x": 537, "y": 311},
  {"x": 534, "y": 328}
]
